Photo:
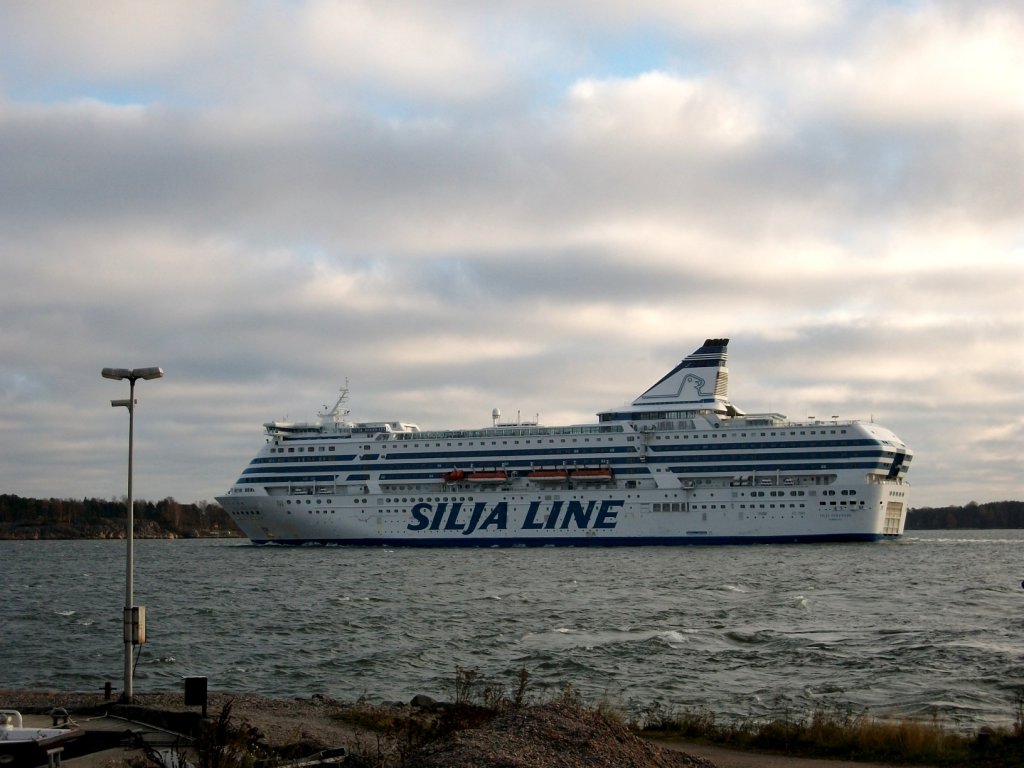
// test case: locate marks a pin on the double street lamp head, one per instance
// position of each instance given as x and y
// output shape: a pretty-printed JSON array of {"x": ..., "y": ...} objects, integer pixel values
[{"x": 133, "y": 373}]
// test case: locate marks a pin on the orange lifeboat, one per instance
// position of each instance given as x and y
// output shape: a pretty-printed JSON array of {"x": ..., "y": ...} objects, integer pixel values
[
  {"x": 455, "y": 476},
  {"x": 548, "y": 475},
  {"x": 499, "y": 476},
  {"x": 595, "y": 474}
]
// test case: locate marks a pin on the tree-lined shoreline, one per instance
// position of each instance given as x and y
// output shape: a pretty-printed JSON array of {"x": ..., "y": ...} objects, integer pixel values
[
  {"x": 28, "y": 518},
  {"x": 89, "y": 518},
  {"x": 974, "y": 516}
]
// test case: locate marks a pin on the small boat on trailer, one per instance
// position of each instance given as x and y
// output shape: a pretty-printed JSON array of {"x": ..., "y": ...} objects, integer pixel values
[{"x": 22, "y": 747}]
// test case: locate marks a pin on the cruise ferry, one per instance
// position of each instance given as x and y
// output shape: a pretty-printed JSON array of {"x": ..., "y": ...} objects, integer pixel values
[{"x": 680, "y": 465}]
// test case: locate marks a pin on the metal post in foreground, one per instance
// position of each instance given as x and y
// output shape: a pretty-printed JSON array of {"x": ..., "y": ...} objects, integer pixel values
[{"x": 129, "y": 621}]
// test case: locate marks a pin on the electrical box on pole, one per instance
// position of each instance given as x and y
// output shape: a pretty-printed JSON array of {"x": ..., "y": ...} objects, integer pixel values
[{"x": 135, "y": 625}]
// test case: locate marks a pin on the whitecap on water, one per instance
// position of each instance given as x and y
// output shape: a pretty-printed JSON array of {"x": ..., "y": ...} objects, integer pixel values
[
  {"x": 66, "y": 613},
  {"x": 672, "y": 637}
]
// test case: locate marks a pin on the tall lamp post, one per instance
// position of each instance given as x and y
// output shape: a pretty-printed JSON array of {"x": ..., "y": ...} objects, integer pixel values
[{"x": 134, "y": 625}]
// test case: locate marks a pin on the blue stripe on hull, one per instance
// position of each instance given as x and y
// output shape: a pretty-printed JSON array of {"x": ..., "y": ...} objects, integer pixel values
[{"x": 608, "y": 541}]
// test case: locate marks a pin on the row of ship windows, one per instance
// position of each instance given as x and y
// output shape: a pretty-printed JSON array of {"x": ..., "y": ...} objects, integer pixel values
[
  {"x": 830, "y": 512},
  {"x": 733, "y": 455},
  {"x": 506, "y": 432},
  {"x": 728, "y": 435},
  {"x": 414, "y": 499},
  {"x": 656, "y": 507},
  {"x": 550, "y": 441},
  {"x": 849, "y": 492},
  {"x": 762, "y": 445},
  {"x": 681, "y": 507},
  {"x": 674, "y": 507},
  {"x": 629, "y": 438},
  {"x": 330, "y": 448}
]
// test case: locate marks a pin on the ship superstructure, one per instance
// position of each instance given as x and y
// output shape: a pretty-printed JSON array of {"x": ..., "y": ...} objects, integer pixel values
[{"x": 680, "y": 465}]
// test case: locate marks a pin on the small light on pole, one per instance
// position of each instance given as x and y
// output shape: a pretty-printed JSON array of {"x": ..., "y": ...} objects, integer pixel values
[{"x": 132, "y": 616}]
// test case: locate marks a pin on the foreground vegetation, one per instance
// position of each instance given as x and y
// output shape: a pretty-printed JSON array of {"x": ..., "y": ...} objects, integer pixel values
[
  {"x": 491, "y": 723},
  {"x": 829, "y": 731}
]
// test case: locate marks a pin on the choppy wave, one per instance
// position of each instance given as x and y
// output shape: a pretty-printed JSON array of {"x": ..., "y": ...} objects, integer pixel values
[{"x": 928, "y": 628}]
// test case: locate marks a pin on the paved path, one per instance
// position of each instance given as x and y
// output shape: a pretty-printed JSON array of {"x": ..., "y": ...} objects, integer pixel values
[{"x": 733, "y": 758}]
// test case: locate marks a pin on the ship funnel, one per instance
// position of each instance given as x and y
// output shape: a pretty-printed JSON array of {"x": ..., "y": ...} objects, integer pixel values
[{"x": 701, "y": 380}]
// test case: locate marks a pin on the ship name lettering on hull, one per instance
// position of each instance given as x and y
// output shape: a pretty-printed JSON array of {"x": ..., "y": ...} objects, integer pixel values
[{"x": 467, "y": 518}]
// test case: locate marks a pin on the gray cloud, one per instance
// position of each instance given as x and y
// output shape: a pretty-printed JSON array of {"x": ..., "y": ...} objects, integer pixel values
[{"x": 269, "y": 200}]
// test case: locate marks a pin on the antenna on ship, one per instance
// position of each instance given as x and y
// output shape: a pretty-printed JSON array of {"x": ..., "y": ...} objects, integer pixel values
[
  {"x": 495, "y": 415},
  {"x": 337, "y": 413}
]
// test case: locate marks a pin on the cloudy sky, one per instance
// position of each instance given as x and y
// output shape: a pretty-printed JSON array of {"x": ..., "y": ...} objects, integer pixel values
[{"x": 536, "y": 206}]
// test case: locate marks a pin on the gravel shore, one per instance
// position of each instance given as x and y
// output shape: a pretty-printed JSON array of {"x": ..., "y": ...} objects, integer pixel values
[{"x": 541, "y": 736}]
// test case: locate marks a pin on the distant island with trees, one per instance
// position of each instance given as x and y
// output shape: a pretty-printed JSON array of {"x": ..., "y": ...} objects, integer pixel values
[
  {"x": 992, "y": 514},
  {"x": 25, "y": 518}
]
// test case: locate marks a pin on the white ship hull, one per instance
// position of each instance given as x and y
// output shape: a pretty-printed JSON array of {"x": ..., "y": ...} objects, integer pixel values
[
  {"x": 679, "y": 466},
  {"x": 575, "y": 519}
]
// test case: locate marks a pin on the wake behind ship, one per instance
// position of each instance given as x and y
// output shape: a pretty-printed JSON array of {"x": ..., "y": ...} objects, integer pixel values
[{"x": 680, "y": 465}]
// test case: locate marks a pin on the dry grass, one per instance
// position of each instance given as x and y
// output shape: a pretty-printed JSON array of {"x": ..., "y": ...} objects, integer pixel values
[{"x": 840, "y": 733}]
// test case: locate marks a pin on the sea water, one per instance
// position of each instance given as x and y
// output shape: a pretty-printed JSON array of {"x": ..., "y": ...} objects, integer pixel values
[{"x": 930, "y": 626}]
